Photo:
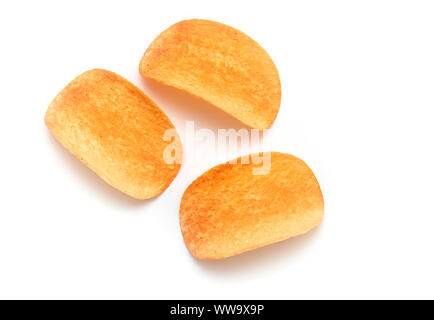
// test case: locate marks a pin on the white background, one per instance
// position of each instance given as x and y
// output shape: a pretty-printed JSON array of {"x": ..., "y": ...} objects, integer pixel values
[{"x": 357, "y": 106}]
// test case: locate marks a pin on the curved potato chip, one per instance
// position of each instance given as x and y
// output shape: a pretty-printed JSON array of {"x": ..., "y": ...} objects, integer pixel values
[
  {"x": 116, "y": 130},
  {"x": 229, "y": 210},
  {"x": 218, "y": 64}
]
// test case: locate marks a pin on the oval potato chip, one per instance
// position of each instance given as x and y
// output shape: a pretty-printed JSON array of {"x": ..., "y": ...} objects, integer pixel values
[
  {"x": 116, "y": 130},
  {"x": 229, "y": 210},
  {"x": 218, "y": 64}
]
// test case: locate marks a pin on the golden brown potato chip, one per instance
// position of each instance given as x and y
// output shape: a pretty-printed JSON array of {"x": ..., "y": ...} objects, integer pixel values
[
  {"x": 229, "y": 210},
  {"x": 116, "y": 130},
  {"x": 218, "y": 64}
]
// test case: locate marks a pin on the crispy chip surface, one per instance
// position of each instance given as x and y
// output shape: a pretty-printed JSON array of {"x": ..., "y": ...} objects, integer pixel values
[
  {"x": 228, "y": 210},
  {"x": 116, "y": 130},
  {"x": 218, "y": 64}
]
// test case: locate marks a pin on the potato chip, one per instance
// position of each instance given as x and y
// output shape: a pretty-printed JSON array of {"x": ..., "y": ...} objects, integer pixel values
[
  {"x": 218, "y": 64},
  {"x": 116, "y": 130},
  {"x": 229, "y": 210}
]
